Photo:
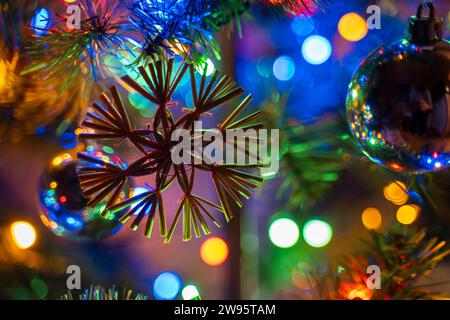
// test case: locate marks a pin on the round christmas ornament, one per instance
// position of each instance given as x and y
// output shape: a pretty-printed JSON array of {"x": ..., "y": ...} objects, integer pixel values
[
  {"x": 398, "y": 104},
  {"x": 63, "y": 206}
]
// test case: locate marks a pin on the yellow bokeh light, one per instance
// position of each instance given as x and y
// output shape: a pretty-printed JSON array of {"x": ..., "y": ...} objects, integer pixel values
[
  {"x": 352, "y": 27},
  {"x": 57, "y": 161},
  {"x": 359, "y": 294},
  {"x": 8, "y": 76},
  {"x": 408, "y": 214},
  {"x": 371, "y": 218},
  {"x": 23, "y": 234},
  {"x": 396, "y": 193},
  {"x": 214, "y": 251}
]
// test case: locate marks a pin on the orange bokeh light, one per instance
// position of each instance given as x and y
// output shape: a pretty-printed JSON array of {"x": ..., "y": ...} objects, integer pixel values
[
  {"x": 214, "y": 251},
  {"x": 371, "y": 218},
  {"x": 352, "y": 27}
]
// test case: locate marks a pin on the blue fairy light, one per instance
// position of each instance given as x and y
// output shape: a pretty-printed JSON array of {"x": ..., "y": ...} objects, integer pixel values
[{"x": 41, "y": 21}]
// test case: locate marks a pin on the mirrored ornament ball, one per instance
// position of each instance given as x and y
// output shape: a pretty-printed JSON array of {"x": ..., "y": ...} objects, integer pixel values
[
  {"x": 63, "y": 207},
  {"x": 398, "y": 104}
]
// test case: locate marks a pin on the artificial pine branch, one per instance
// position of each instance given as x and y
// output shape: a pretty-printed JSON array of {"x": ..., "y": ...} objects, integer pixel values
[
  {"x": 99, "y": 293},
  {"x": 312, "y": 156},
  {"x": 405, "y": 257}
]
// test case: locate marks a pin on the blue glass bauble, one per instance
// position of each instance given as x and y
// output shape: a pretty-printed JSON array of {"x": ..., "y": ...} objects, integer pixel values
[{"x": 63, "y": 206}]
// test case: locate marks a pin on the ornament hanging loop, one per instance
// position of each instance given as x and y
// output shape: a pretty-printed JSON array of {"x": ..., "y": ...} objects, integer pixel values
[
  {"x": 431, "y": 8},
  {"x": 426, "y": 30}
]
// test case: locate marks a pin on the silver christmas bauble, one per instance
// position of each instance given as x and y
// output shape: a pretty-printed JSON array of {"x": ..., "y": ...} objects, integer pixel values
[{"x": 398, "y": 104}]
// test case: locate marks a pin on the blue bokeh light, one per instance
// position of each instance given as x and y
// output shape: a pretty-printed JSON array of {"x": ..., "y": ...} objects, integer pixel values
[
  {"x": 167, "y": 286},
  {"x": 284, "y": 68},
  {"x": 302, "y": 26},
  {"x": 316, "y": 49}
]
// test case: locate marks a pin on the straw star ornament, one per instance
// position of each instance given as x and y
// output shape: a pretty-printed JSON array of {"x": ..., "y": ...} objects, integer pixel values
[{"x": 109, "y": 120}]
